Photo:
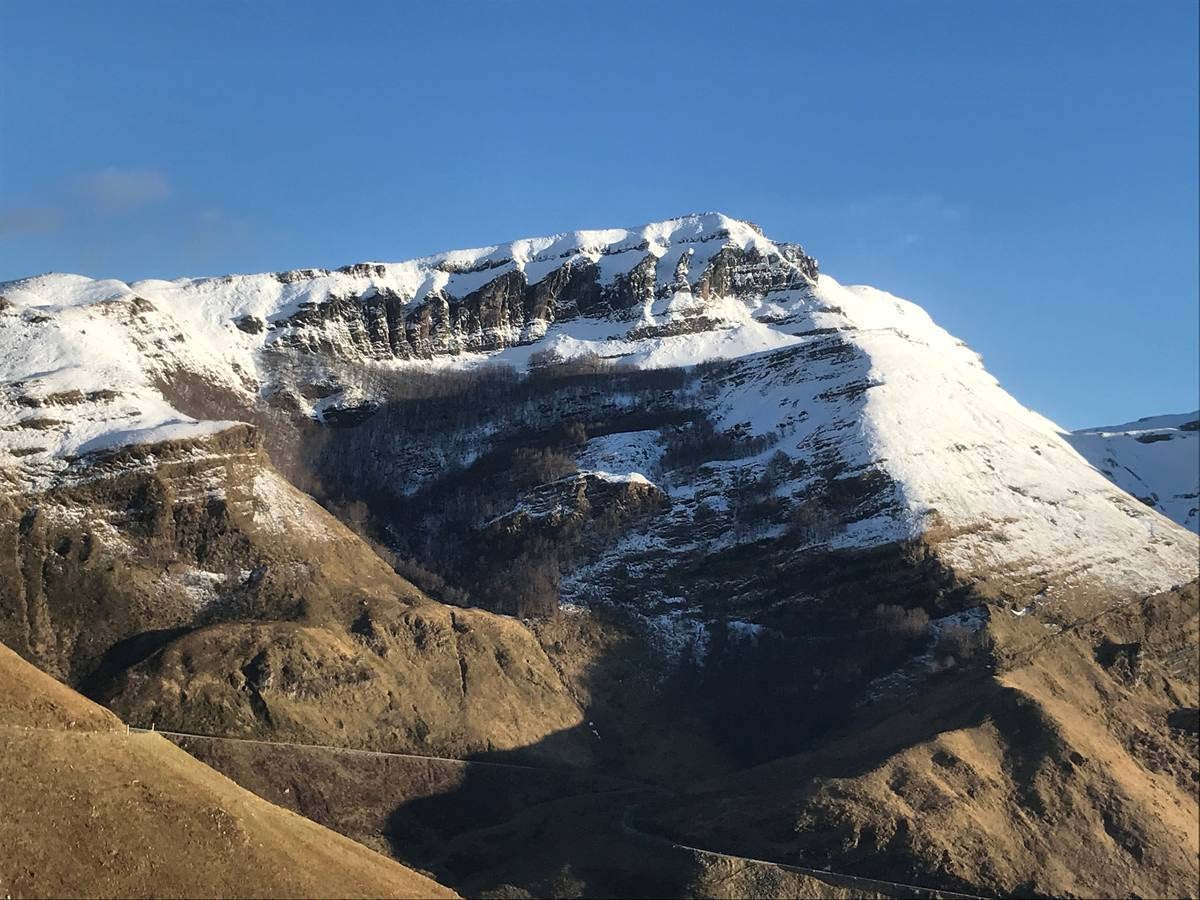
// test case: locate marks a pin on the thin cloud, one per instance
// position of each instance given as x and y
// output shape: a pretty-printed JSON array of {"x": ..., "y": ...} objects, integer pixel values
[
  {"x": 114, "y": 190},
  {"x": 29, "y": 220},
  {"x": 211, "y": 236},
  {"x": 909, "y": 207},
  {"x": 901, "y": 220}
]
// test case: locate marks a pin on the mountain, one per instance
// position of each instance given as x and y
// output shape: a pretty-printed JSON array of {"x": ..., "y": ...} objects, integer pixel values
[
  {"x": 856, "y": 389},
  {"x": 92, "y": 810},
  {"x": 664, "y": 502},
  {"x": 186, "y": 584},
  {"x": 1157, "y": 459}
]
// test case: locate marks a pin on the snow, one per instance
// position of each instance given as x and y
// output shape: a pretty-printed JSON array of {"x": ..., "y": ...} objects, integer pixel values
[
  {"x": 620, "y": 478},
  {"x": 973, "y": 619},
  {"x": 825, "y": 372},
  {"x": 1005, "y": 484},
  {"x": 742, "y": 630},
  {"x": 675, "y": 631},
  {"x": 613, "y": 264},
  {"x": 200, "y": 587},
  {"x": 997, "y": 487},
  {"x": 629, "y": 451},
  {"x": 1156, "y": 459},
  {"x": 75, "y": 376},
  {"x": 1150, "y": 423},
  {"x": 278, "y": 508}
]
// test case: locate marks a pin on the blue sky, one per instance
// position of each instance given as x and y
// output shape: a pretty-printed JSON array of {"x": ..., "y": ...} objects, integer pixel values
[{"x": 1025, "y": 171}]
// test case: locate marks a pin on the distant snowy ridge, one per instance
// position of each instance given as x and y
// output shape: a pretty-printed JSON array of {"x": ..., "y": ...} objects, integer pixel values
[
  {"x": 1157, "y": 459},
  {"x": 836, "y": 378}
]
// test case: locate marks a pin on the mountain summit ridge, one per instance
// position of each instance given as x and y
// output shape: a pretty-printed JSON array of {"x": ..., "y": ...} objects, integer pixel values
[{"x": 845, "y": 382}]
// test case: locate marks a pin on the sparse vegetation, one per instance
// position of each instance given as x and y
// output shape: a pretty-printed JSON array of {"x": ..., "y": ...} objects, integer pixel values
[
  {"x": 908, "y": 624},
  {"x": 957, "y": 645},
  {"x": 698, "y": 442}
]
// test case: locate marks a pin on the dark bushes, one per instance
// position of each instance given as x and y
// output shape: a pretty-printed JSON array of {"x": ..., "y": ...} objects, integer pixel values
[
  {"x": 699, "y": 442},
  {"x": 904, "y": 623},
  {"x": 957, "y": 644}
]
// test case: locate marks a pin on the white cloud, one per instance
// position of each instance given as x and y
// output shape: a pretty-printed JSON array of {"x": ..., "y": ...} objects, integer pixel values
[
  {"x": 116, "y": 190},
  {"x": 29, "y": 220}
]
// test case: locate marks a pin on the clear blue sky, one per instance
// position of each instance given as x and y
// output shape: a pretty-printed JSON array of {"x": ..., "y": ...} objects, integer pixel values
[{"x": 1026, "y": 171}]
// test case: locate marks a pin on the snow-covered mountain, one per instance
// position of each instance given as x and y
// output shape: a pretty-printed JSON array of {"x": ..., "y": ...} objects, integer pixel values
[
  {"x": 102, "y": 345},
  {"x": 1157, "y": 459},
  {"x": 845, "y": 393},
  {"x": 769, "y": 509}
]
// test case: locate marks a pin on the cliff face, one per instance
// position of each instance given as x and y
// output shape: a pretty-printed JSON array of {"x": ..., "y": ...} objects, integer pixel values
[
  {"x": 188, "y": 584},
  {"x": 518, "y": 299}
]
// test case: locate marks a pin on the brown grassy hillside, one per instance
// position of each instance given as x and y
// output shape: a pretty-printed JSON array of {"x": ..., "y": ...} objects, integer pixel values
[
  {"x": 89, "y": 810},
  {"x": 495, "y": 831},
  {"x": 1069, "y": 771},
  {"x": 187, "y": 584}
]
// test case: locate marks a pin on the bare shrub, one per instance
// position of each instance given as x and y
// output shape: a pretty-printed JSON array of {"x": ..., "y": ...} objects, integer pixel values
[
  {"x": 698, "y": 442},
  {"x": 547, "y": 362},
  {"x": 905, "y": 623},
  {"x": 538, "y": 465},
  {"x": 575, "y": 434},
  {"x": 812, "y": 520},
  {"x": 428, "y": 581},
  {"x": 354, "y": 514},
  {"x": 957, "y": 644}
]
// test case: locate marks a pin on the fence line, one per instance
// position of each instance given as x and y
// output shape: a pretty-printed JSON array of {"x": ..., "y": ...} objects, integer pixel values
[{"x": 333, "y": 747}]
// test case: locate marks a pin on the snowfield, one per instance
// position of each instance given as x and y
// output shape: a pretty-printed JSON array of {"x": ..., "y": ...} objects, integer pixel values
[
  {"x": 1157, "y": 459},
  {"x": 825, "y": 371}
]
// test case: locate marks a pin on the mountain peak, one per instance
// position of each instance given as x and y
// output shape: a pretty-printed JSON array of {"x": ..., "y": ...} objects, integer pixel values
[{"x": 845, "y": 379}]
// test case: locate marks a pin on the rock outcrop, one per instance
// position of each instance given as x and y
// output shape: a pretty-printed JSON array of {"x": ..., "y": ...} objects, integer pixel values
[{"x": 187, "y": 584}]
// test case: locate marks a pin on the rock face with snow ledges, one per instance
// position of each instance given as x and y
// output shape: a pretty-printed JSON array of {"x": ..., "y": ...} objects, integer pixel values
[{"x": 856, "y": 395}]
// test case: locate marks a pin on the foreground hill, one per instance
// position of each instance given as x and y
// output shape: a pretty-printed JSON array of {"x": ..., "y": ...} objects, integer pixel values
[{"x": 89, "y": 810}]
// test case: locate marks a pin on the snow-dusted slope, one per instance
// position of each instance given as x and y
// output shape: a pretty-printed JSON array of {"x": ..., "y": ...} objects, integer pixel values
[
  {"x": 78, "y": 360},
  {"x": 995, "y": 486},
  {"x": 836, "y": 378},
  {"x": 1157, "y": 459},
  {"x": 995, "y": 481}
]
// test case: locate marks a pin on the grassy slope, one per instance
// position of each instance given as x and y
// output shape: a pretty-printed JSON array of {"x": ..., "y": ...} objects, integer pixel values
[
  {"x": 91, "y": 811},
  {"x": 189, "y": 585},
  {"x": 495, "y": 831},
  {"x": 1060, "y": 774}
]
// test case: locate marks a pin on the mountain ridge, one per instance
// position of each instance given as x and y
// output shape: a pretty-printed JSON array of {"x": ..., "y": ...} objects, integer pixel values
[
  {"x": 1155, "y": 458},
  {"x": 687, "y": 291}
]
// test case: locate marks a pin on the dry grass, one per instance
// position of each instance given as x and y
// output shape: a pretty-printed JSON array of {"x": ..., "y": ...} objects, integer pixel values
[
  {"x": 1057, "y": 777},
  {"x": 93, "y": 811}
]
